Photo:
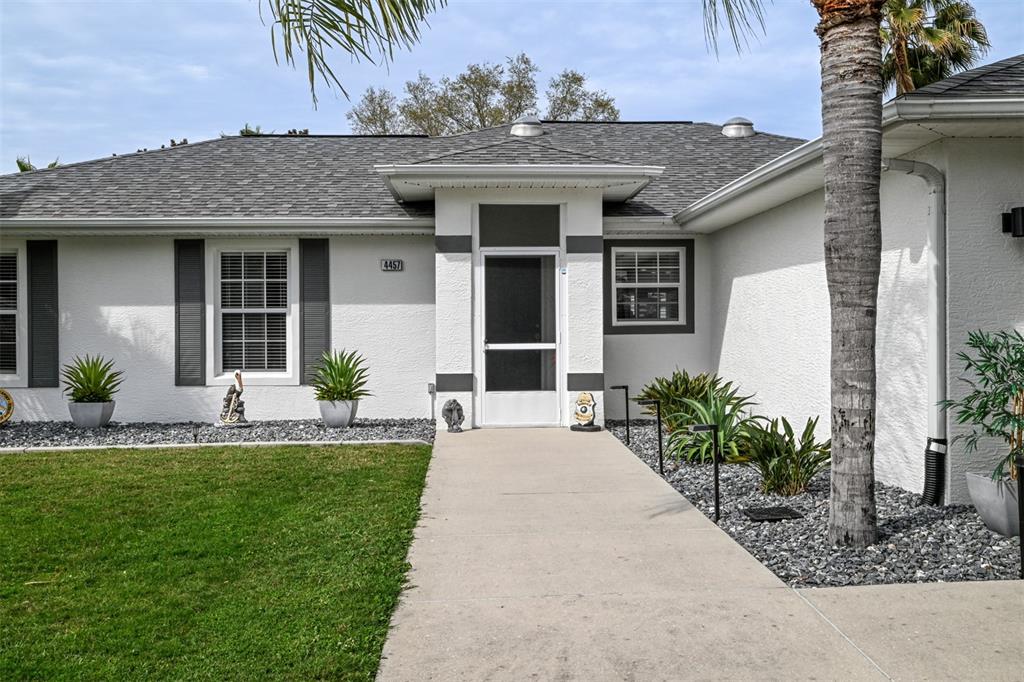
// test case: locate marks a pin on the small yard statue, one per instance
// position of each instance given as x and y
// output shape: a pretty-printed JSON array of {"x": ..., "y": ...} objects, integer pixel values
[
  {"x": 453, "y": 415},
  {"x": 233, "y": 412},
  {"x": 586, "y": 410}
]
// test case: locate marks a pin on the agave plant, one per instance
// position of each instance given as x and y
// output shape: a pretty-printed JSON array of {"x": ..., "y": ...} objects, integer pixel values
[
  {"x": 91, "y": 379},
  {"x": 724, "y": 408},
  {"x": 341, "y": 376},
  {"x": 786, "y": 464},
  {"x": 673, "y": 392}
]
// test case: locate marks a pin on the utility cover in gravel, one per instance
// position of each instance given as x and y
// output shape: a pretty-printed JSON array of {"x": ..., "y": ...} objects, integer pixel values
[
  {"x": 916, "y": 543},
  {"x": 46, "y": 434}
]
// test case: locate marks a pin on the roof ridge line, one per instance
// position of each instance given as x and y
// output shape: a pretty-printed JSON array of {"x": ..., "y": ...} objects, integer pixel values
[
  {"x": 463, "y": 151},
  {"x": 964, "y": 77},
  {"x": 538, "y": 143},
  {"x": 74, "y": 164}
]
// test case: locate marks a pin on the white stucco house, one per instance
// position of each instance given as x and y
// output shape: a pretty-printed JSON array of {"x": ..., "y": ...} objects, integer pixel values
[{"x": 513, "y": 267}]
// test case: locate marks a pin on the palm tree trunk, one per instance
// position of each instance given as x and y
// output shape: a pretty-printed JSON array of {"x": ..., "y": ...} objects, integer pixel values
[
  {"x": 904, "y": 81},
  {"x": 851, "y": 102}
]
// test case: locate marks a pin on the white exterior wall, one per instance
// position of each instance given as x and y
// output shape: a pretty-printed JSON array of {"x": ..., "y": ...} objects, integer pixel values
[
  {"x": 636, "y": 359},
  {"x": 770, "y": 320},
  {"x": 985, "y": 267},
  {"x": 116, "y": 298}
]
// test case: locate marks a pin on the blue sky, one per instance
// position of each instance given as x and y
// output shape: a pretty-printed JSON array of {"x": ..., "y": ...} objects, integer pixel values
[{"x": 81, "y": 80}]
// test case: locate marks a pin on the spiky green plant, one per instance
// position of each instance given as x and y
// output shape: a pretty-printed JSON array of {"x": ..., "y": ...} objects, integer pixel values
[
  {"x": 724, "y": 408},
  {"x": 673, "y": 391},
  {"x": 91, "y": 379},
  {"x": 341, "y": 376},
  {"x": 995, "y": 404},
  {"x": 786, "y": 463}
]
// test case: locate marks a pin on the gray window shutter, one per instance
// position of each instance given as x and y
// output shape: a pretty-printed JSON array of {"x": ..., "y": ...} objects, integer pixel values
[
  {"x": 314, "y": 303},
  {"x": 189, "y": 312},
  {"x": 43, "y": 320}
]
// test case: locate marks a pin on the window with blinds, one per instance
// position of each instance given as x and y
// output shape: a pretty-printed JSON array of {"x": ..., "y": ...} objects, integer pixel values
[
  {"x": 647, "y": 285},
  {"x": 8, "y": 312},
  {"x": 254, "y": 311}
]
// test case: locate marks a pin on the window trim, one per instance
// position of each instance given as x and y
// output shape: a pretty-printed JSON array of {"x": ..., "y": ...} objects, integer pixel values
[
  {"x": 680, "y": 286},
  {"x": 20, "y": 378},
  {"x": 686, "y": 279},
  {"x": 215, "y": 373}
]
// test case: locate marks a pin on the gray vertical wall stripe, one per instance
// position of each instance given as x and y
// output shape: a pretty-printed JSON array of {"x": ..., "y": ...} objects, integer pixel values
[
  {"x": 453, "y": 382},
  {"x": 43, "y": 320},
  {"x": 189, "y": 312},
  {"x": 453, "y": 243},
  {"x": 314, "y": 303},
  {"x": 585, "y": 381},
  {"x": 584, "y": 244}
]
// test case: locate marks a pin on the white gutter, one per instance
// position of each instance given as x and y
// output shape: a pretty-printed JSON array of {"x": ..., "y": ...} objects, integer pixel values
[
  {"x": 936, "y": 360},
  {"x": 907, "y": 109},
  {"x": 216, "y": 225}
]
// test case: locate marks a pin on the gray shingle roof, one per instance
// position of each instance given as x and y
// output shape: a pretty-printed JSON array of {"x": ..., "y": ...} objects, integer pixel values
[
  {"x": 1003, "y": 78},
  {"x": 334, "y": 177}
]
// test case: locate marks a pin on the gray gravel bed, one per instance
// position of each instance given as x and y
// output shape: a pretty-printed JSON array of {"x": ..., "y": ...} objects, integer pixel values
[
  {"x": 46, "y": 434},
  {"x": 917, "y": 543}
]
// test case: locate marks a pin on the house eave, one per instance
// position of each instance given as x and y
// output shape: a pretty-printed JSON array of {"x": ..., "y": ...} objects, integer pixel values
[
  {"x": 419, "y": 182},
  {"x": 214, "y": 226},
  {"x": 799, "y": 171}
]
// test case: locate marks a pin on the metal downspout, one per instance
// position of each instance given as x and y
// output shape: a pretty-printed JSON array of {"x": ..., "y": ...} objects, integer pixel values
[{"x": 936, "y": 361}]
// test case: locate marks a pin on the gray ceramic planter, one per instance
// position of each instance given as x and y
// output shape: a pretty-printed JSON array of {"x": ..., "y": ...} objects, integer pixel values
[
  {"x": 996, "y": 502},
  {"x": 338, "y": 413},
  {"x": 91, "y": 415}
]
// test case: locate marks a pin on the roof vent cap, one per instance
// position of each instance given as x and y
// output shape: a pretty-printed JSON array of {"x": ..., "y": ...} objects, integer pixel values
[
  {"x": 738, "y": 127},
  {"x": 526, "y": 126}
]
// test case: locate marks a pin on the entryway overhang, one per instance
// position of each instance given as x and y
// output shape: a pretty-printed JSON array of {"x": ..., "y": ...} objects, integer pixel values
[{"x": 418, "y": 182}]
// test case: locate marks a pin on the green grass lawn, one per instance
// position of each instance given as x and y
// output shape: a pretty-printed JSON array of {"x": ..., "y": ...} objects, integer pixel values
[{"x": 216, "y": 563}]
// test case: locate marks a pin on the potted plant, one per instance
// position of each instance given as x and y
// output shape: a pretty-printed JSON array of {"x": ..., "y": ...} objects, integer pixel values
[
  {"x": 91, "y": 383},
  {"x": 995, "y": 408},
  {"x": 339, "y": 384}
]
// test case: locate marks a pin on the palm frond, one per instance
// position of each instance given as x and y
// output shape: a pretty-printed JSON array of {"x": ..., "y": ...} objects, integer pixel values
[{"x": 743, "y": 18}]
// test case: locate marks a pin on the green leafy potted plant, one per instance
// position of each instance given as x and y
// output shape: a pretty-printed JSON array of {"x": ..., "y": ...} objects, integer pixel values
[
  {"x": 994, "y": 407},
  {"x": 339, "y": 384},
  {"x": 90, "y": 384}
]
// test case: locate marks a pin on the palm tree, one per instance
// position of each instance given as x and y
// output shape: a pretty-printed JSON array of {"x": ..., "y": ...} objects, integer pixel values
[
  {"x": 25, "y": 164},
  {"x": 927, "y": 40},
  {"x": 851, "y": 107}
]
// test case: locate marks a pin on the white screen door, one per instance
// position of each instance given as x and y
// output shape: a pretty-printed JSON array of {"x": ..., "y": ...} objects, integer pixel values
[{"x": 520, "y": 339}]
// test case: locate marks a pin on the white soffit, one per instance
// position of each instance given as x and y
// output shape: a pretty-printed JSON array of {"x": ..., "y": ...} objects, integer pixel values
[
  {"x": 907, "y": 124},
  {"x": 417, "y": 182}
]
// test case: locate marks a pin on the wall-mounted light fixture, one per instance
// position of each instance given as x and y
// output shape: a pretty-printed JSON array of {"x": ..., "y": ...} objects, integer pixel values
[{"x": 1013, "y": 222}]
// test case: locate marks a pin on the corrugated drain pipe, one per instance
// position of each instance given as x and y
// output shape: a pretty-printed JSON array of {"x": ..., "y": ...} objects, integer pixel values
[{"x": 935, "y": 449}]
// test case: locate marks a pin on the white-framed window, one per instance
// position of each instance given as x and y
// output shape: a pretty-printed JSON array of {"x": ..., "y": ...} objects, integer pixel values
[
  {"x": 9, "y": 318},
  {"x": 253, "y": 311},
  {"x": 647, "y": 285}
]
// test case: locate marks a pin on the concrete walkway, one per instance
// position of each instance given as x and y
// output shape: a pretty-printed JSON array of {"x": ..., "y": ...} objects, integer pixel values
[{"x": 551, "y": 555}]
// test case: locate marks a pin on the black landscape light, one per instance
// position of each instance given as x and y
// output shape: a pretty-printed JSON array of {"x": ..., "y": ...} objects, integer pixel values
[
  {"x": 716, "y": 455},
  {"x": 624, "y": 387},
  {"x": 195, "y": 432},
  {"x": 657, "y": 412}
]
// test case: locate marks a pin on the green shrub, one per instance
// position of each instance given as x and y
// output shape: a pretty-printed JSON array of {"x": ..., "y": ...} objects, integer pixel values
[
  {"x": 786, "y": 464},
  {"x": 91, "y": 380},
  {"x": 341, "y": 376},
  {"x": 723, "y": 407},
  {"x": 674, "y": 391},
  {"x": 995, "y": 404}
]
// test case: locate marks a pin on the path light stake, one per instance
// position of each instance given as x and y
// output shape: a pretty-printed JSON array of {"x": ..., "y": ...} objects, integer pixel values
[
  {"x": 657, "y": 412},
  {"x": 624, "y": 387},
  {"x": 195, "y": 433},
  {"x": 716, "y": 456}
]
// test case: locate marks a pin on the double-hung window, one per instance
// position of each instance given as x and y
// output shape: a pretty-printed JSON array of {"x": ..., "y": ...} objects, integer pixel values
[
  {"x": 254, "y": 310},
  {"x": 9, "y": 312},
  {"x": 648, "y": 286}
]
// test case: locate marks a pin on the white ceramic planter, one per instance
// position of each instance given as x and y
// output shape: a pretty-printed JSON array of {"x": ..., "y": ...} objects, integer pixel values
[
  {"x": 338, "y": 413},
  {"x": 91, "y": 415},
  {"x": 996, "y": 502}
]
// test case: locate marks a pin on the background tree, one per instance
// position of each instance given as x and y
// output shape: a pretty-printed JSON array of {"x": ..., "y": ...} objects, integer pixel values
[
  {"x": 25, "y": 164},
  {"x": 482, "y": 96},
  {"x": 925, "y": 41}
]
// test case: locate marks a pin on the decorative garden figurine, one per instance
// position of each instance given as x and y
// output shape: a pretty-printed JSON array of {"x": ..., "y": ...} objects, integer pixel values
[
  {"x": 6, "y": 406},
  {"x": 233, "y": 412},
  {"x": 586, "y": 410},
  {"x": 453, "y": 415}
]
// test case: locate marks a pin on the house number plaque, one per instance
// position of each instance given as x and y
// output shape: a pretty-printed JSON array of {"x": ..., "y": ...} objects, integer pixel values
[{"x": 392, "y": 264}]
